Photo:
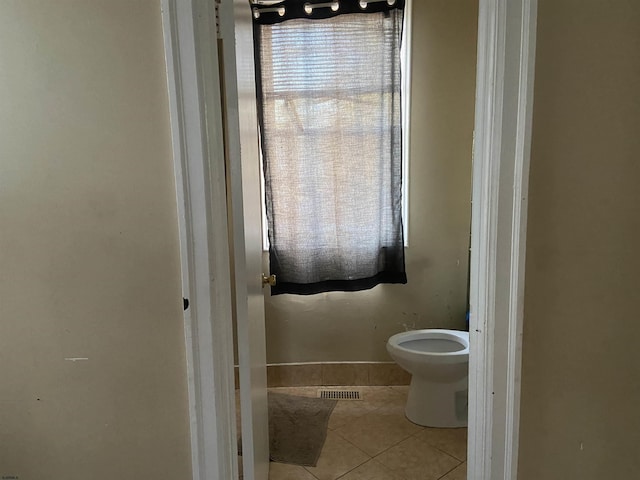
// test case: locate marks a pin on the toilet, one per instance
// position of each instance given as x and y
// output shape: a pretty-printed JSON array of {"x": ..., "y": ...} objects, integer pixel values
[{"x": 438, "y": 361}]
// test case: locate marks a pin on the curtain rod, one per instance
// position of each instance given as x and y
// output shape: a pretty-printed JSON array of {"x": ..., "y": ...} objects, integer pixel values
[
  {"x": 310, "y": 7},
  {"x": 271, "y": 2}
]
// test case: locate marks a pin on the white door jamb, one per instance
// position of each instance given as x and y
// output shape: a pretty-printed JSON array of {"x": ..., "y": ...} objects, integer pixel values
[
  {"x": 502, "y": 140},
  {"x": 197, "y": 135}
]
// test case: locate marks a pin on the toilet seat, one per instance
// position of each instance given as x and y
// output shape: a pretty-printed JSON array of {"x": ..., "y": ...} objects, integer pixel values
[{"x": 417, "y": 342}]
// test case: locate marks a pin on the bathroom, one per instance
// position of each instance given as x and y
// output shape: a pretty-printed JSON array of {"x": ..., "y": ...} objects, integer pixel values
[
  {"x": 96, "y": 372},
  {"x": 339, "y": 338}
]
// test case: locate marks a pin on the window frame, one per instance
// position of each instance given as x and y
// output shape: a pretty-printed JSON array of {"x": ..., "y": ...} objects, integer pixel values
[{"x": 405, "y": 96}]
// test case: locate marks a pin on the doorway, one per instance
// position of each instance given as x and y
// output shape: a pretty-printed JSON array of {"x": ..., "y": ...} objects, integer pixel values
[
  {"x": 501, "y": 133},
  {"x": 339, "y": 339}
]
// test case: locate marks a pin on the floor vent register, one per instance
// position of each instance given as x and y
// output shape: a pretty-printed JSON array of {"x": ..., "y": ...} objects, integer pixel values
[{"x": 340, "y": 394}]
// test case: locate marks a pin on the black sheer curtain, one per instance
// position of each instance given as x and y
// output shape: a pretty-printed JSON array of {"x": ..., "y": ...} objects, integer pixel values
[{"x": 328, "y": 83}]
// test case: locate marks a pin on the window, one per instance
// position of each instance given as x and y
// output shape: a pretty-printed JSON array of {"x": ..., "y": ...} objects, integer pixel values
[
  {"x": 329, "y": 93},
  {"x": 405, "y": 68}
]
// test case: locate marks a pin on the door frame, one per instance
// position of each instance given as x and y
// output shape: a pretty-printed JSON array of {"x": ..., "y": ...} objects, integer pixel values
[
  {"x": 502, "y": 144},
  {"x": 191, "y": 55},
  {"x": 502, "y": 141}
]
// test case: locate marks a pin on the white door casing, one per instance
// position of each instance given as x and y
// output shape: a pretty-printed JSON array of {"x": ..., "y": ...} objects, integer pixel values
[
  {"x": 502, "y": 140},
  {"x": 197, "y": 137},
  {"x": 506, "y": 46}
]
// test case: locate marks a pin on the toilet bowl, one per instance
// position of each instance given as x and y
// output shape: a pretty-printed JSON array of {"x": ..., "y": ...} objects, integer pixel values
[{"x": 438, "y": 361}]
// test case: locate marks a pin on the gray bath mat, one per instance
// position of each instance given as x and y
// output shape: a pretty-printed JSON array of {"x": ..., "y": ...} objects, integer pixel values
[{"x": 297, "y": 428}]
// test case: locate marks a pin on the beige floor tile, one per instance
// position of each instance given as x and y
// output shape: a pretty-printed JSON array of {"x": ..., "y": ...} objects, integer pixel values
[
  {"x": 374, "y": 432},
  {"x": 415, "y": 459},
  {"x": 450, "y": 440},
  {"x": 458, "y": 473},
  {"x": 372, "y": 470},
  {"x": 381, "y": 396},
  {"x": 337, "y": 458},
  {"x": 373, "y": 398},
  {"x": 391, "y": 407},
  {"x": 347, "y": 411},
  {"x": 283, "y": 471}
]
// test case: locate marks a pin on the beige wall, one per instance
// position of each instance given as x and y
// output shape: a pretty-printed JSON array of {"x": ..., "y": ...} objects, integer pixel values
[
  {"x": 355, "y": 326},
  {"x": 88, "y": 246},
  {"x": 581, "y": 365}
]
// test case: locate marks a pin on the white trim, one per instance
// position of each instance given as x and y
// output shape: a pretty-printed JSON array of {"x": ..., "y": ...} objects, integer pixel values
[
  {"x": 506, "y": 51},
  {"x": 406, "y": 113},
  {"x": 519, "y": 232},
  {"x": 196, "y": 128}
]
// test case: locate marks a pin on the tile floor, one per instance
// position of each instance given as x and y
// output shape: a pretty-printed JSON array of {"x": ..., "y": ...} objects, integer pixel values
[{"x": 371, "y": 439}]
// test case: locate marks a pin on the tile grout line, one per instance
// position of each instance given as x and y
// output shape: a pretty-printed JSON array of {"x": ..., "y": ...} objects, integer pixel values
[
  {"x": 435, "y": 447},
  {"x": 448, "y": 454},
  {"x": 460, "y": 462},
  {"x": 440, "y": 449},
  {"x": 354, "y": 445},
  {"x": 400, "y": 441},
  {"x": 440, "y": 478},
  {"x": 422, "y": 428},
  {"x": 305, "y": 469}
]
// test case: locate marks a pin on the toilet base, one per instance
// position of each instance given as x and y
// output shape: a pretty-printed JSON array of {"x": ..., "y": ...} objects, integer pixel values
[{"x": 442, "y": 405}]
